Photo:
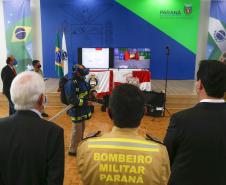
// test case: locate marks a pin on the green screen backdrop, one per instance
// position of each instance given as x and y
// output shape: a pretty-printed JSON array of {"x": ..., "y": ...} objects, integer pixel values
[{"x": 179, "y": 19}]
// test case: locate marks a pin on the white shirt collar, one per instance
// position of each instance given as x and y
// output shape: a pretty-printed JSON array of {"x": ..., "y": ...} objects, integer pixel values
[
  {"x": 212, "y": 101},
  {"x": 37, "y": 112}
]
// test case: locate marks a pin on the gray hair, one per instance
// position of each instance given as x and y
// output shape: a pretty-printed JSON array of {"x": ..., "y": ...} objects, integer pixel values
[{"x": 26, "y": 89}]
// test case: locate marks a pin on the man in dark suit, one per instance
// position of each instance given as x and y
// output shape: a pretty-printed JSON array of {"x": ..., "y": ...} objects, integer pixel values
[
  {"x": 32, "y": 149},
  {"x": 8, "y": 74},
  {"x": 196, "y": 137}
]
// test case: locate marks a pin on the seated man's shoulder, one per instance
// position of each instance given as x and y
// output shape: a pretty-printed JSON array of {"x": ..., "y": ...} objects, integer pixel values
[
  {"x": 5, "y": 68},
  {"x": 92, "y": 135},
  {"x": 153, "y": 139},
  {"x": 185, "y": 112},
  {"x": 52, "y": 125},
  {"x": 159, "y": 143},
  {"x": 4, "y": 121}
]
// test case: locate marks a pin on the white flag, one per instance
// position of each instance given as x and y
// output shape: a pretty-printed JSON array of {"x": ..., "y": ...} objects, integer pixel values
[
  {"x": 64, "y": 57},
  {"x": 218, "y": 33}
]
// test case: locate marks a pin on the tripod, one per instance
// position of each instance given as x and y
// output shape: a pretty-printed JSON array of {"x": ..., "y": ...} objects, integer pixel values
[{"x": 166, "y": 80}]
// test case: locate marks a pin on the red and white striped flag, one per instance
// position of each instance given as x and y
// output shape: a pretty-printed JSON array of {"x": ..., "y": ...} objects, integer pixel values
[{"x": 136, "y": 77}]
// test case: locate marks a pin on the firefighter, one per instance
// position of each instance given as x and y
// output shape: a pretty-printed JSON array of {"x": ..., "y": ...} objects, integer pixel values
[
  {"x": 123, "y": 156},
  {"x": 77, "y": 93}
]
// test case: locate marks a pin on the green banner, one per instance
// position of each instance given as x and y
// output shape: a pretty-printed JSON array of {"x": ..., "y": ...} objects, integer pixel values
[{"x": 179, "y": 19}]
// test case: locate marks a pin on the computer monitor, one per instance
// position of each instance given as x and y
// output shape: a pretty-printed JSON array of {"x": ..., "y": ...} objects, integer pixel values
[
  {"x": 94, "y": 57},
  {"x": 132, "y": 58}
]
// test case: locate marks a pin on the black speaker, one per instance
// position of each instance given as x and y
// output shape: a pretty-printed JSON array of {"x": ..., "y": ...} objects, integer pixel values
[{"x": 154, "y": 102}]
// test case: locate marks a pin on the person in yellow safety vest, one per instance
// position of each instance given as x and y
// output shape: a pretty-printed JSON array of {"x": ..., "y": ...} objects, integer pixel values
[{"x": 123, "y": 156}]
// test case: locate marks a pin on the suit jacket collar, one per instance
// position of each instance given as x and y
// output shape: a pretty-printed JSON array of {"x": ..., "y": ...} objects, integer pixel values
[
  {"x": 36, "y": 112},
  {"x": 27, "y": 113},
  {"x": 209, "y": 105},
  {"x": 12, "y": 69}
]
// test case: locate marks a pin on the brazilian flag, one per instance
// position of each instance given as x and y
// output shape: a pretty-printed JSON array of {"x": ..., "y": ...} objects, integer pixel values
[
  {"x": 18, "y": 28},
  {"x": 216, "y": 45},
  {"x": 58, "y": 61}
]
